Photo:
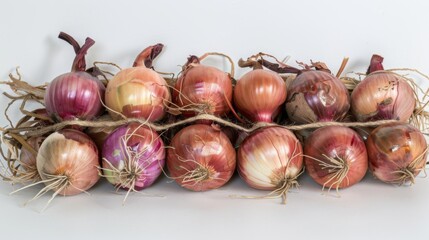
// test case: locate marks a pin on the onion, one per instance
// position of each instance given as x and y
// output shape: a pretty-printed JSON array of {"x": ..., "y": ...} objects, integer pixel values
[
  {"x": 139, "y": 92},
  {"x": 75, "y": 95},
  {"x": 203, "y": 89},
  {"x": 382, "y": 95},
  {"x": 201, "y": 158},
  {"x": 133, "y": 157},
  {"x": 27, "y": 172},
  {"x": 397, "y": 152},
  {"x": 259, "y": 94},
  {"x": 335, "y": 157},
  {"x": 271, "y": 159},
  {"x": 67, "y": 163}
]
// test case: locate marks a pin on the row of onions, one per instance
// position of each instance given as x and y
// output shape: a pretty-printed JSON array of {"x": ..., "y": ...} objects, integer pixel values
[{"x": 203, "y": 154}]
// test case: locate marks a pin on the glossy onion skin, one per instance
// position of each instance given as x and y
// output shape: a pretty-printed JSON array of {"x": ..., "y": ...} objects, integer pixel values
[
  {"x": 335, "y": 141},
  {"x": 206, "y": 146},
  {"x": 74, "y": 95},
  {"x": 268, "y": 156},
  {"x": 259, "y": 94},
  {"x": 70, "y": 153},
  {"x": 383, "y": 95},
  {"x": 138, "y": 92},
  {"x": 316, "y": 96},
  {"x": 204, "y": 85},
  {"x": 141, "y": 140},
  {"x": 394, "y": 147}
]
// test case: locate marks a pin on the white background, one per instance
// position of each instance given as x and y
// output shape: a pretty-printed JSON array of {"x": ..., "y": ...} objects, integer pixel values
[{"x": 311, "y": 29}]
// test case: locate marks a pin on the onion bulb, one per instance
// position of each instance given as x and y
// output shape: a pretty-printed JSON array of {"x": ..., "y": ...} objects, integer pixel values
[
  {"x": 397, "y": 153},
  {"x": 382, "y": 95},
  {"x": 335, "y": 157},
  {"x": 271, "y": 159},
  {"x": 139, "y": 92},
  {"x": 27, "y": 171},
  {"x": 203, "y": 89},
  {"x": 133, "y": 157},
  {"x": 75, "y": 95},
  {"x": 201, "y": 158},
  {"x": 259, "y": 94}
]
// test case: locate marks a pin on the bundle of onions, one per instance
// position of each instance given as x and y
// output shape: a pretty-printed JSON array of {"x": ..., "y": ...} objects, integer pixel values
[
  {"x": 259, "y": 94},
  {"x": 382, "y": 95},
  {"x": 271, "y": 159},
  {"x": 201, "y": 158},
  {"x": 139, "y": 92},
  {"x": 67, "y": 163},
  {"x": 315, "y": 95},
  {"x": 335, "y": 157},
  {"x": 203, "y": 89},
  {"x": 78, "y": 94},
  {"x": 397, "y": 153},
  {"x": 133, "y": 157}
]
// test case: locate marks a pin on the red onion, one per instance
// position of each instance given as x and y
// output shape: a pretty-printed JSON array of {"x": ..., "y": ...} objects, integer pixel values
[
  {"x": 203, "y": 89},
  {"x": 133, "y": 157},
  {"x": 335, "y": 157},
  {"x": 75, "y": 95},
  {"x": 271, "y": 159},
  {"x": 67, "y": 162},
  {"x": 397, "y": 152},
  {"x": 382, "y": 95},
  {"x": 259, "y": 94},
  {"x": 139, "y": 92},
  {"x": 201, "y": 158}
]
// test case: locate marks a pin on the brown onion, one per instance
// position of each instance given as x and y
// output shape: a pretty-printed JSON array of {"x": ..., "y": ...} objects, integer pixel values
[
  {"x": 139, "y": 92},
  {"x": 259, "y": 94},
  {"x": 201, "y": 158},
  {"x": 271, "y": 159},
  {"x": 203, "y": 89},
  {"x": 335, "y": 157},
  {"x": 27, "y": 172},
  {"x": 382, "y": 95},
  {"x": 397, "y": 152}
]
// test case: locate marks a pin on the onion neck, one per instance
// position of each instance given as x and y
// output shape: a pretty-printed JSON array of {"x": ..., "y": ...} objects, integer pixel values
[
  {"x": 146, "y": 57},
  {"x": 79, "y": 64},
  {"x": 376, "y": 64}
]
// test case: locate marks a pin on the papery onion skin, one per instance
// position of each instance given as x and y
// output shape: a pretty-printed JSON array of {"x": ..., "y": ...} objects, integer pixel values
[
  {"x": 316, "y": 96},
  {"x": 145, "y": 156},
  {"x": 138, "y": 92},
  {"x": 27, "y": 159},
  {"x": 382, "y": 95},
  {"x": 205, "y": 88},
  {"x": 71, "y": 154},
  {"x": 268, "y": 157},
  {"x": 397, "y": 152},
  {"x": 201, "y": 147},
  {"x": 343, "y": 145},
  {"x": 259, "y": 94}
]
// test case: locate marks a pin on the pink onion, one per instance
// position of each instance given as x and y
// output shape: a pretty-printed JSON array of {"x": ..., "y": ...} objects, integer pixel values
[
  {"x": 397, "y": 153},
  {"x": 335, "y": 157},
  {"x": 133, "y": 157},
  {"x": 271, "y": 159},
  {"x": 139, "y": 92},
  {"x": 382, "y": 95},
  {"x": 75, "y": 95},
  {"x": 201, "y": 158}
]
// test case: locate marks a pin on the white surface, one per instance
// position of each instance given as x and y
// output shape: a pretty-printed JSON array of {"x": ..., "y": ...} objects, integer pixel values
[{"x": 306, "y": 30}]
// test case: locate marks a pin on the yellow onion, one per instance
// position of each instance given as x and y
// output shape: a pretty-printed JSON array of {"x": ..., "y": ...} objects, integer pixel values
[
  {"x": 203, "y": 89},
  {"x": 139, "y": 92},
  {"x": 271, "y": 159},
  {"x": 397, "y": 153},
  {"x": 382, "y": 95},
  {"x": 201, "y": 158},
  {"x": 27, "y": 171},
  {"x": 259, "y": 94},
  {"x": 67, "y": 162},
  {"x": 335, "y": 157}
]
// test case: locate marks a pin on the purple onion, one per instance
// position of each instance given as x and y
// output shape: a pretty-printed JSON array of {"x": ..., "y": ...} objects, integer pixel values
[
  {"x": 133, "y": 157},
  {"x": 78, "y": 94}
]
